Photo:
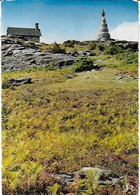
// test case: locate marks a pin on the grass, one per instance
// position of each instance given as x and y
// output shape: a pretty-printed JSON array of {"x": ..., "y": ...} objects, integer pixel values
[
  {"x": 126, "y": 62},
  {"x": 113, "y": 56},
  {"x": 64, "y": 121}
]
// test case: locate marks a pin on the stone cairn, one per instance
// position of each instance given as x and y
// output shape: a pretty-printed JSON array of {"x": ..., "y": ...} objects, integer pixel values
[{"x": 103, "y": 34}]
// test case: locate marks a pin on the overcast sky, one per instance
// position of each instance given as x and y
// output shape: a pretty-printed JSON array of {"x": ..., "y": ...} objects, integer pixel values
[{"x": 61, "y": 20}]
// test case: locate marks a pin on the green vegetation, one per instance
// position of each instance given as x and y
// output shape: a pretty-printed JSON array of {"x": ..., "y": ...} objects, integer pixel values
[
  {"x": 57, "y": 49},
  {"x": 65, "y": 121},
  {"x": 112, "y": 56},
  {"x": 53, "y": 48},
  {"x": 124, "y": 62},
  {"x": 53, "y": 190},
  {"x": 90, "y": 184},
  {"x": 83, "y": 64},
  {"x": 92, "y": 46},
  {"x": 5, "y": 84},
  {"x": 112, "y": 50},
  {"x": 43, "y": 47},
  {"x": 69, "y": 43}
]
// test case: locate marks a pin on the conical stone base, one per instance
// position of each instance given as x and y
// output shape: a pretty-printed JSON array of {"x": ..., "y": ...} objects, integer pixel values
[{"x": 103, "y": 34}]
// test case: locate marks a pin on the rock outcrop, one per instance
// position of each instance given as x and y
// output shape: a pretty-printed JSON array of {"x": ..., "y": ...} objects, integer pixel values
[
  {"x": 106, "y": 177},
  {"x": 18, "y": 54},
  {"x": 20, "y": 81}
]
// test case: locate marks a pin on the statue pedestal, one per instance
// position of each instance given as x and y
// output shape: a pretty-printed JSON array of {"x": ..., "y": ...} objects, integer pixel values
[{"x": 103, "y": 34}]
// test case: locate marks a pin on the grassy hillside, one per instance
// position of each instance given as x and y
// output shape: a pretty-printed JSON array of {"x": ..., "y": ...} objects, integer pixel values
[
  {"x": 121, "y": 55},
  {"x": 67, "y": 120}
]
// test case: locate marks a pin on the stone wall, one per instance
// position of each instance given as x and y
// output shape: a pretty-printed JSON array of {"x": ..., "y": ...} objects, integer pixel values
[{"x": 34, "y": 39}]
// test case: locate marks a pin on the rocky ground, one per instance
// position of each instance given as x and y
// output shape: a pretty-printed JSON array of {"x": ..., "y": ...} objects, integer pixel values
[
  {"x": 19, "y": 54},
  {"x": 105, "y": 176}
]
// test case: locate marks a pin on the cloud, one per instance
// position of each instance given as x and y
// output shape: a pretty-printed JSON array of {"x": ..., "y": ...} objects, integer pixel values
[{"x": 126, "y": 31}]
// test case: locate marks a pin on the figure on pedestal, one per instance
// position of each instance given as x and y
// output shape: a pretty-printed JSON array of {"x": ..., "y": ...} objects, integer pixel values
[{"x": 103, "y": 34}]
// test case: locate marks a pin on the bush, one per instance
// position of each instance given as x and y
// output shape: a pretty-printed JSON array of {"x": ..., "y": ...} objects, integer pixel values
[
  {"x": 43, "y": 47},
  {"x": 34, "y": 69},
  {"x": 83, "y": 64},
  {"x": 100, "y": 47},
  {"x": 129, "y": 57},
  {"x": 69, "y": 43},
  {"x": 56, "y": 48},
  {"x": 51, "y": 66},
  {"x": 91, "y": 46},
  {"x": 5, "y": 84},
  {"x": 90, "y": 184},
  {"x": 112, "y": 50}
]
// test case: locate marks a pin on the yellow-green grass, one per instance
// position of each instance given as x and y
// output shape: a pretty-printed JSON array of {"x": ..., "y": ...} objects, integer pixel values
[{"x": 63, "y": 122}]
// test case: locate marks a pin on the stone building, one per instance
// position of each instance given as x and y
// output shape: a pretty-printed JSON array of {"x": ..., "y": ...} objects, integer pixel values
[
  {"x": 31, "y": 34},
  {"x": 103, "y": 34}
]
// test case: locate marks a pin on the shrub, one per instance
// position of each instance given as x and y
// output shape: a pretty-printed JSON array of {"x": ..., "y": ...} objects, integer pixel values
[
  {"x": 128, "y": 61},
  {"x": 43, "y": 47},
  {"x": 112, "y": 50},
  {"x": 131, "y": 58},
  {"x": 56, "y": 48},
  {"x": 69, "y": 43},
  {"x": 34, "y": 69},
  {"x": 53, "y": 190},
  {"x": 83, "y": 64},
  {"x": 90, "y": 184},
  {"x": 91, "y": 46},
  {"x": 51, "y": 66},
  {"x": 100, "y": 47},
  {"x": 5, "y": 84}
]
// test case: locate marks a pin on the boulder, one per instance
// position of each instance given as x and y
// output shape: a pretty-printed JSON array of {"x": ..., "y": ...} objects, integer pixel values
[
  {"x": 106, "y": 176},
  {"x": 20, "y": 81}
]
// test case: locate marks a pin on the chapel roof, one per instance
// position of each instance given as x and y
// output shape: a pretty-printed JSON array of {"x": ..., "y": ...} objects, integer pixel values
[{"x": 23, "y": 31}]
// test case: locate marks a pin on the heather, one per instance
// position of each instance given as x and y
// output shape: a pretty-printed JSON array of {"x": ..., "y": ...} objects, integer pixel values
[{"x": 84, "y": 115}]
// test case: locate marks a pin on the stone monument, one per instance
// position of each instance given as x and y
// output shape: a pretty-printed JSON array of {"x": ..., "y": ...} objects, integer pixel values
[{"x": 103, "y": 34}]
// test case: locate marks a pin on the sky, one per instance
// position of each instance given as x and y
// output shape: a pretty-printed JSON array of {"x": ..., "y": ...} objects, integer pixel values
[{"x": 61, "y": 20}]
